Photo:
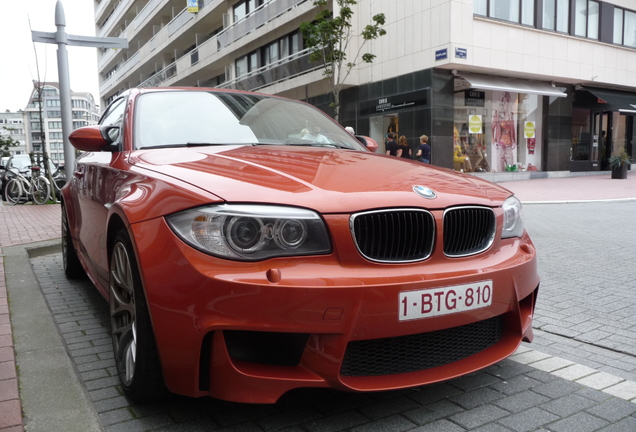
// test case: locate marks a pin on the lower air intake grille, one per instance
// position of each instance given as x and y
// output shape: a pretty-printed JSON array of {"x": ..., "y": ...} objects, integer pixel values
[{"x": 420, "y": 351}]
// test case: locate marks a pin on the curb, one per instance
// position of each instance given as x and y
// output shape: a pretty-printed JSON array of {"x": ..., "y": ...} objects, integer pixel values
[{"x": 53, "y": 397}]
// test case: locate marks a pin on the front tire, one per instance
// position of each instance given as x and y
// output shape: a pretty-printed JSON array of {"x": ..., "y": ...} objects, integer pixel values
[
  {"x": 13, "y": 192},
  {"x": 41, "y": 190},
  {"x": 134, "y": 345}
]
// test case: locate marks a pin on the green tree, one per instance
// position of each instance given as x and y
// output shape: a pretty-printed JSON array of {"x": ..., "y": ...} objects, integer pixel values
[
  {"x": 329, "y": 36},
  {"x": 6, "y": 142}
]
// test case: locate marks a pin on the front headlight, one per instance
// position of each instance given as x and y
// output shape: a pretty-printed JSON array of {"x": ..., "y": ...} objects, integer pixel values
[
  {"x": 252, "y": 232},
  {"x": 513, "y": 218}
]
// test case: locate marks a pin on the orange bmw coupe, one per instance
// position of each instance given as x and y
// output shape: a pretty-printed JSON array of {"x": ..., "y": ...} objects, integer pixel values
[{"x": 249, "y": 245}]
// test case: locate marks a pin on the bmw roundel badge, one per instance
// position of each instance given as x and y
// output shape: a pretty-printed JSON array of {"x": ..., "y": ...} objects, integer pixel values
[{"x": 425, "y": 192}]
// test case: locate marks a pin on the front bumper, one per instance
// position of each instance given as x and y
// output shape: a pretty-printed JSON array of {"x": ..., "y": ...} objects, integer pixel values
[{"x": 197, "y": 300}]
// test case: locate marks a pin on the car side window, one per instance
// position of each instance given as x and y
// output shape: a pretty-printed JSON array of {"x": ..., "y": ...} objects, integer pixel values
[{"x": 114, "y": 117}]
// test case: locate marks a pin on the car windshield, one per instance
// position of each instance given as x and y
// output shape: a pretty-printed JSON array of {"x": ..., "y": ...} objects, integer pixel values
[
  {"x": 182, "y": 118},
  {"x": 20, "y": 163}
]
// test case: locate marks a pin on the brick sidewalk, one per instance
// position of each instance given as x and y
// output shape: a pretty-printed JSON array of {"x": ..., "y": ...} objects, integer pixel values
[{"x": 20, "y": 224}]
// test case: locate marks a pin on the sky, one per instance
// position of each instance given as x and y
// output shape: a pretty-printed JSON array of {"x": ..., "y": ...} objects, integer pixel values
[{"x": 18, "y": 67}]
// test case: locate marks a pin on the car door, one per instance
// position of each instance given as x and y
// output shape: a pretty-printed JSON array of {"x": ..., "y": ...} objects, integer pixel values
[{"x": 91, "y": 178}]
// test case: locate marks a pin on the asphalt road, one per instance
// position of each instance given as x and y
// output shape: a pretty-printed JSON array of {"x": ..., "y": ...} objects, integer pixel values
[{"x": 579, "y": 374}]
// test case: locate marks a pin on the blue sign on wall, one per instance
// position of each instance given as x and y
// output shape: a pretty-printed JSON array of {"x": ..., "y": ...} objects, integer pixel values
[
  {"x": 461, "y": 53},
  {"x": 441, "y": 54}
]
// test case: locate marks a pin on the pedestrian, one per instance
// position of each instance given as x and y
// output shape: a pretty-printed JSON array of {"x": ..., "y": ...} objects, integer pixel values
[
  {"x": 392, "y": 147},
  {"x": 405, "y": 150},
  {"x": 424, "y": 150}
]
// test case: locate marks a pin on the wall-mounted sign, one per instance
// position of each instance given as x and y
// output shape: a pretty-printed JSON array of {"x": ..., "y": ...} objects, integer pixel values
[
  {"x": 461, "y": 53},
  {"x": 193, "y": 6},
  {"x": 474, "y": 98},
  {"x": 401, "y": 101},
  {"x": 474, "y": 124},
  {"x": 441, "y": 54},
  {"x": 529, "y": 129}
]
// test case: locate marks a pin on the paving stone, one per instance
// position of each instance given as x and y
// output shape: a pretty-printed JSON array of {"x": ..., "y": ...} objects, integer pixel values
[
  {"x": 613, "y": 409},
  {"x": 116, "y": 416},
  {"x": 479, "y": 416},
  {"x": 336, "y": 422},
  {"x": 567, "y": 405},
  {"x": 581, "y": 422},
  {"x": 439, "y": 426},
  {"x": 388, "y": 424},
  {"x": 286, "y": 419},
  {"x": 574, "y": 372},
  {"x": 434, "y": 392},
  {"x": 626, "y": 425},
  {"x": 515, "y": 385},
  {"x": 521, "y": 401},
  {"x": 529, "y": 357},
  {"x": 477, "y": 397},
  {"x": 474, "y": 381},
  {"x": 624, "y": 390},
  {"x": 555, "y": 389},
  {"x": 551, "y": 364},
  {"x": 599, "y": 381},
  {"x": 388, "y": 407},
  {"x": 528, "y": 420}
]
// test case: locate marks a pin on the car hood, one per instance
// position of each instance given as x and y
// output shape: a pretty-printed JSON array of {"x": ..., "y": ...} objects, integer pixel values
[{"x": 325, "y": 179}]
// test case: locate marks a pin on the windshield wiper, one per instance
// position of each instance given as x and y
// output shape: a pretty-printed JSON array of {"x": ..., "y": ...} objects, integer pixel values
[
  {"x": 192, "y": 144},
  {"x": 315, "y": 144}
]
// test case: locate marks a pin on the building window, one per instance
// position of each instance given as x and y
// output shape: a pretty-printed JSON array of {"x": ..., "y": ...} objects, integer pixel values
[
  {"x": 242, "y": 9},
  {"x": 55, "y": 125},
  {"x": 246, "y": 64},
  {"x": 52, "y": 102},
  {"x": 79, "y": 124},
  {"x": 54, "y": 114},
  {"x": 586, "y": 18},
  {"x": 556, "y": 15},
  {"x": 55, "y": 135},
  {"x": 624, "y": 27},
  {"x": 517, "y": 11},
  {"x": 35, "y": 126}
]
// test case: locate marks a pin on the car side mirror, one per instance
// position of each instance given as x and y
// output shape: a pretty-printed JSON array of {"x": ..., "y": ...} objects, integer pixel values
[
  {"x": 369, "y": 143},
  {"x": 95, "y": 138}
]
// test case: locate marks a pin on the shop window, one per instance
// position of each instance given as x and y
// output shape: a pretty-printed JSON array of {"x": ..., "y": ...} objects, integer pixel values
[
  {"x": 518, "y": 11},
  {"x": 586, "y": 18},
  {"x": 497, "y": 131}
]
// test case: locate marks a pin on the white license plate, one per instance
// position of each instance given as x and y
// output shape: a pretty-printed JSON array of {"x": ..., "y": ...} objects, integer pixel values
[{"x": 443, "y": 301}]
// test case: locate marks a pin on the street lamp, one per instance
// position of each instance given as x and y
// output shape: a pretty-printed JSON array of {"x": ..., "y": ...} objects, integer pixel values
[{"x": 61, "y": 38}]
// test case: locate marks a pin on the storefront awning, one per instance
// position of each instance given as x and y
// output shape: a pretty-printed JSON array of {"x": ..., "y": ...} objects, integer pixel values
[
  {"x": 484, "y": 82},
  {"x": 623, "y": 102}
]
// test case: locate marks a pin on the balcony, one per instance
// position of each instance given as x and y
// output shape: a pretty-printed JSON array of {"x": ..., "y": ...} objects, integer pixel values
[
  {"x": 261, "y": 15},
  {"x": 285, "y": 69}
]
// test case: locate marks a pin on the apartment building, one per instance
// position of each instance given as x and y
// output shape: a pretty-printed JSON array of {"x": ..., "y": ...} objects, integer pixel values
[
  {"x": 12, "y": 126},
  {"x": 43, "y": 118},
  {"x": 546, "y": 85}
]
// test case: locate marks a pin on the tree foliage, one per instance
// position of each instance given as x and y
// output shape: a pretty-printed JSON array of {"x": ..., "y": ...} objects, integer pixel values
[
  {"x": 329, "y": 36},
  {"x": 6, "y": 143}
]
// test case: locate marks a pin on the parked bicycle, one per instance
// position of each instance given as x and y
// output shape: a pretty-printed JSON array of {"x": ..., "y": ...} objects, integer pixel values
[{"x": 21, "y": 189}]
